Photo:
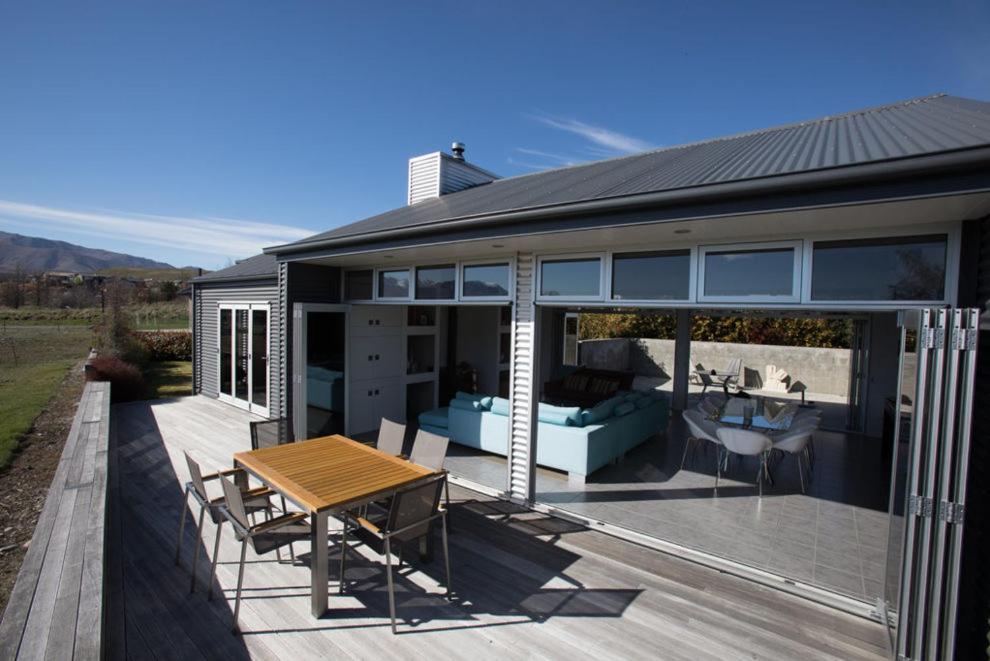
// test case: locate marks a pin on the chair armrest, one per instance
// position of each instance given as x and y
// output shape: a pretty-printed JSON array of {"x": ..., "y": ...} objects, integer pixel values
[
  {"x": 216, "y": 476},
  {"x": 278, "y": 522}
]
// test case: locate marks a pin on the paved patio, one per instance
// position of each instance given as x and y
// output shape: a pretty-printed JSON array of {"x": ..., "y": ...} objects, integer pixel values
[{"x": 526, "y": 585}]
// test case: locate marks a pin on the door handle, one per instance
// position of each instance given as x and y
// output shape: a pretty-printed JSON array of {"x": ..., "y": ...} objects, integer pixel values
[
  {"x": 376, "y": 391},
  {"x": 369, "y": 357},
  {"x": 377, "y": 357},
  {"x": 369, "y": 393}
]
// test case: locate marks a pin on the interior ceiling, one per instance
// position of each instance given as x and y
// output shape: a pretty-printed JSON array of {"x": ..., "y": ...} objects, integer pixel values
[{"x": 746, "y": 228}]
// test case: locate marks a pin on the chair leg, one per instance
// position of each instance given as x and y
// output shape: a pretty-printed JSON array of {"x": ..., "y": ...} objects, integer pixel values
[
  {"x": 446, "y": 552},
  {"x": 391, "y": 587},
  {"x": 199, "y": 542},
  {"x": 343, "y": 557},
  {"x": 216, "y": 555},
  {"x": 687, "y": 444},
  {"x": 182, "y": 525},
  {"x": 718, "y": 469},
  {"x": 446, "y": 495},
  {"x": 240, "y": 582},
  {"x": 800, "y": 461}
]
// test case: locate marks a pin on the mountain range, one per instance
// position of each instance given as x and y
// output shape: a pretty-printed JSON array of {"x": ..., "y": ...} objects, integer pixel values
[{"x": 35, "y": 255}]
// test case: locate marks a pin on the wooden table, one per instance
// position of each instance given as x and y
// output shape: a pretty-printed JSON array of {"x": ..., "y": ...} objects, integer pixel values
[{"x": 325, "y": 475}]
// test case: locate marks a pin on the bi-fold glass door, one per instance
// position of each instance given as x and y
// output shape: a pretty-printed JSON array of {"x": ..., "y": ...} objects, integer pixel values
[{"x": 243, "y": 348}]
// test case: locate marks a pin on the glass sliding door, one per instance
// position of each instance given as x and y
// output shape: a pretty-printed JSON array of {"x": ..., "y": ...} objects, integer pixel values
[
  {"x": 243, "y": 351},
  {"x": 320, "y": 361}
]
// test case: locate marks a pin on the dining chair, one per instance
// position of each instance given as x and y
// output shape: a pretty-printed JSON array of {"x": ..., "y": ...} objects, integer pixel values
[
  {"x": 409, "y": 518},
  {"x": 429, "y": 450},
  {"x": 745, "y": 442},
  {"x": 264, "y": 537},
  {"x": 391, "y": 436},
  {"x": 706, "y": 407},
  {"x": 255, "y": 500},
  {"x": 702, "y": 429},
  {"x": 268, "y": 433},
  {"x": 795, "y": 442}
]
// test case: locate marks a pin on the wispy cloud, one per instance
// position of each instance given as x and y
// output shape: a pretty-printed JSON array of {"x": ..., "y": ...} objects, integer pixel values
[
  {"x": 225, "y": 237},
  {"x": 617, "y": 143},
  {"x": 536, "y": 159}
]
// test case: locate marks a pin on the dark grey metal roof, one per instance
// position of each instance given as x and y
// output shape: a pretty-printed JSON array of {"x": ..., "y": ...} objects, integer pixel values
[
  {"x": 259, "y": 267},
  {"x": 918, "y": 127}
]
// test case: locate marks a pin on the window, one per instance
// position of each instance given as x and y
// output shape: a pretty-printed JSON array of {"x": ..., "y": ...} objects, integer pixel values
[
  {"x": 435, "y": 283},
  {"x": 359, "y": 285},
  {"x": 487, "y": 280},
  {"x": 652, "y": 276},
  {"x": 910, "y": 268},
  {"x": 757, "y": 272},
  {"x": 571, "y": 278},
  {"x": 393, "y": 284}
]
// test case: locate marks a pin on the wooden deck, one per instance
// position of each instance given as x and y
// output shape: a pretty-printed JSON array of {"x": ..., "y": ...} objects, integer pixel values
[{"x": 526, "y": 585}]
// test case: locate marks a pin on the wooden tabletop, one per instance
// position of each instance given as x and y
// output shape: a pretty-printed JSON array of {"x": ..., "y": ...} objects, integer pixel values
[{"x": 329, "y": 472}]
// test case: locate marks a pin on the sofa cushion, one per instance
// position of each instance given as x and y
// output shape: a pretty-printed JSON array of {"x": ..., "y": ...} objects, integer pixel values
[
  {"x": 500, "y": 406},
  {"x": 560, "y": 415},
  {"x": 599, "y": 412},
  {"x": 435, "y": 418},
  {"x": 576, "y": 382},
  {"x": 625, "y": 408},
  {"x": 484, "y": 400},
  {"x": 644, "y": 401},
  {"x": 467, "y": 405}
]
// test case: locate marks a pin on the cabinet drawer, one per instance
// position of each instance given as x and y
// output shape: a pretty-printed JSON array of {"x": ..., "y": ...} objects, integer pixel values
[{"x": 377, "y": 319}]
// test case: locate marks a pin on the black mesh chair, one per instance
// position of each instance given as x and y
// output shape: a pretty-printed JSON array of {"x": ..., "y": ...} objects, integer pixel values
[
  {"x": 267, "y": 433},
  {"x": 409, "y": 518}
]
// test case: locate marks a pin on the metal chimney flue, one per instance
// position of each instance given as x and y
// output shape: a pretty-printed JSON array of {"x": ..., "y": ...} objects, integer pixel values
[{"x": 458, "y": 150}]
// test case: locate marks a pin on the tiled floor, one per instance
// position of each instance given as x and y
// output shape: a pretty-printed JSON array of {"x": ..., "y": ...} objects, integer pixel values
[{"x": 834, "y": 536}]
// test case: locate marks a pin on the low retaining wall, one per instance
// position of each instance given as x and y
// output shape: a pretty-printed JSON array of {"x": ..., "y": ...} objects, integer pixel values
[
  {"x": 823, "y": 371},
  {"x": 56, "y": 607}
]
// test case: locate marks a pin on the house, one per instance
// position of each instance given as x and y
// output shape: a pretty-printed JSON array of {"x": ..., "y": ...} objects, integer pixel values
[{"x": 881, "y": 216}]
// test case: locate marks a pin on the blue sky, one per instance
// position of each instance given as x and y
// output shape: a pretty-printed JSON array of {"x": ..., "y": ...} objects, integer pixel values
[{"x": 196, "y": 132}]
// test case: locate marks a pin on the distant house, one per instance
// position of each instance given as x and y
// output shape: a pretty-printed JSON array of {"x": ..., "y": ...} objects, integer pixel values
[{"x": 881, "y": 216}]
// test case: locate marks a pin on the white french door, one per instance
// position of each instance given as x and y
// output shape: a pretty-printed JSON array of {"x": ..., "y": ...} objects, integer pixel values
[{"x": 243, "y": 350}]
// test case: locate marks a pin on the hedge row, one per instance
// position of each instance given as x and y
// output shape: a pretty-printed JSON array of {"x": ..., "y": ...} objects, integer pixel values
[{"x": 166, "y": 345}]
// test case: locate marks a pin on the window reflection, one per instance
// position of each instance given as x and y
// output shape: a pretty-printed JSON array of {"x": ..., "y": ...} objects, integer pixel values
[
  {"x": 894, "y": 269},
  {"x": 435, "y": 282},
  {"x": 393, "y": 284},
  {"x": 764, "y": 272},
  {"x": 570, "y": 277},
  {"x": 486, "y": 280},
  {"x": 653, "y": 276}
]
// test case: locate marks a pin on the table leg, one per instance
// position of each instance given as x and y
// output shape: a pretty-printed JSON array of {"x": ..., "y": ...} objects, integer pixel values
[{"x": 319, "y": 579}]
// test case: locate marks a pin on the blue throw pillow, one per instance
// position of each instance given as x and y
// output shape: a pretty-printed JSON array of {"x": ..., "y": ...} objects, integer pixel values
[
  {"x": 571, "y": 415},
  {"x": 599, "y": 412},
  {"x": 625, "y": 408},
  {"x": 644, "y": 401},
  {"x": 466, "y": 405},
  {"x": 500, "y": 406},
  {"x": 484, "y": 400}
]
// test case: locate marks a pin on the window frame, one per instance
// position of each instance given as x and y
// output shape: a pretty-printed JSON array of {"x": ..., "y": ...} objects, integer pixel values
[
  {"x": 797, "y": 286},
  {"x": 414, "y": 283},
  {"x": 390, "y": 269},
  {"x": 692, "y": 253},
  {"x": 343, "y": 284},
  {"x": 509, "y": 263},
  {"x": 604, "y": 272}
]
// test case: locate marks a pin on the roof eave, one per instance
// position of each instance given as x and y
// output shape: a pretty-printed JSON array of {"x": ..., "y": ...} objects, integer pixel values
[{"x": 831, "y": 177}]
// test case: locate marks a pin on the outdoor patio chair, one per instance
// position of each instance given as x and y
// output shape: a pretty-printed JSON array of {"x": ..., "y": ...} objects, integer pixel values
[
  {"x": 268, "y": 433},
  {"x": 391, "y": 435},
  {"x": 747, "y": 443},
  {"x": 255, "y": 500},
  {"x": 410, "y": 517},
  {"x": 796, "y": 443},
  {"x": 429, "y": 451},
  {"x": 702, "y": 429},
  {"x": 264, "y": 537}
]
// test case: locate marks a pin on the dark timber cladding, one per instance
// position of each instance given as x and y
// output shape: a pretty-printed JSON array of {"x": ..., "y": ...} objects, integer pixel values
[{"x": 56, "y": 607}]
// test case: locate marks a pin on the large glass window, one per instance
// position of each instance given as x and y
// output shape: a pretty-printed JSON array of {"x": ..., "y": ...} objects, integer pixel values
[
  {"x": 892, "y": 269},
  {"x": 651, "y": 276},
  {"x": 486, "y": 280},
  {"x": 435, "y": 282},
  {"x": 358, "y": 285},
  {"x": 762, "y": 272},
  {"x": 393, "y": 284},
  {"x": 579, "y": 277}
]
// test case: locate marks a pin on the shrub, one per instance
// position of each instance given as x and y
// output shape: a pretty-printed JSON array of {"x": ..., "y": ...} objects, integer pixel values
[
  {"x": 126, "y": 382},
  {"x": 113, "y": 333},
  {"x": 166, "y": 345}
]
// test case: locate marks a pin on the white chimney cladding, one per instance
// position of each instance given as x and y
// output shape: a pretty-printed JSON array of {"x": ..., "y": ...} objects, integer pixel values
[{"x": 436, "y": 174}]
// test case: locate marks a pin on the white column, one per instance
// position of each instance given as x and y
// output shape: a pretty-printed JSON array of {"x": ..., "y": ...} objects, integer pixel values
[
  {"x": 524, "y": 387},
  {"x": 682, "y": 360}
]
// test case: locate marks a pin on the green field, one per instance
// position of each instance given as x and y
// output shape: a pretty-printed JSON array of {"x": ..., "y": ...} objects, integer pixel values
[
  {"x": 33, "y": 360},
  {"x": 170, "y": 378}
]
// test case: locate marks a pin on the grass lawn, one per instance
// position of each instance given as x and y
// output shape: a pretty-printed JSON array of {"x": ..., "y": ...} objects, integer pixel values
[
  {"x": 170, "y": 378},
  {"x": 33, "y": 360}
]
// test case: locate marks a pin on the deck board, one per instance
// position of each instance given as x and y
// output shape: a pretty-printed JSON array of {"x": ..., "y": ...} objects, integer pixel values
[{"x": 526, "y": 585}]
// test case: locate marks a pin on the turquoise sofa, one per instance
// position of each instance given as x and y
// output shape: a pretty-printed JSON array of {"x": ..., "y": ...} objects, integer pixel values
[
  {"x": 569, "y": 439},
  {"x": 325, "y": 389}
]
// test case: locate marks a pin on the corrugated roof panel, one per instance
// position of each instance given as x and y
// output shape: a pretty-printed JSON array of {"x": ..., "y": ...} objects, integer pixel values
[{"x": 921, "y": 126}]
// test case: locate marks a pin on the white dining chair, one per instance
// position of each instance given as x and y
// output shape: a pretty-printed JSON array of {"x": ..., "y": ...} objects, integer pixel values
[
  {"x": 745, "y": 442},
  {"x": 796, "y": 442},
  {"x": 701, "y": 429}
]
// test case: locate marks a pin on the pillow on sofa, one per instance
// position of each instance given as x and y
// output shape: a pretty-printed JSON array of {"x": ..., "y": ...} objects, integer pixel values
[
  {"x": 625, "y": 408},
  {"x": 599, "y": 412},
  {"x": 485, "y": 400},
  {"x": 644, "y": 401},
  {"x": 467, "y": 405},
  {"x": 500, "y": 406},
  {"x": 560, "y": 415},
  {"x": 632, "y": 397}
]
